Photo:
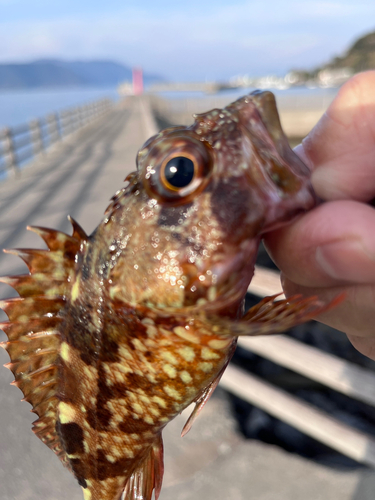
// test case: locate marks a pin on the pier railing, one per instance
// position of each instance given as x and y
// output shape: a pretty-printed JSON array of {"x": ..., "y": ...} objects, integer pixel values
[
  {"x": 331, "y": 371},
  {"x": 22, "y": 143}
]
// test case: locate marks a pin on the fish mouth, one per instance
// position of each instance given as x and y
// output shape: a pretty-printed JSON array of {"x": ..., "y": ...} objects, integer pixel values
[
  {"x": 278, "y": 176},
  {"x": 265, "y": 103}
]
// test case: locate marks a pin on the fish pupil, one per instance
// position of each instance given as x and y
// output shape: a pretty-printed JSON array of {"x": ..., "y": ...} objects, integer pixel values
[{"x": 179, "y": 171}]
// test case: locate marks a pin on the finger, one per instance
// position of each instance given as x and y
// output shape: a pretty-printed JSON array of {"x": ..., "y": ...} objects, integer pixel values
[
  {"x": 355, "y": 315},
  {"x": 341, "y": 148},
  {"x": 333, "y": 244}
]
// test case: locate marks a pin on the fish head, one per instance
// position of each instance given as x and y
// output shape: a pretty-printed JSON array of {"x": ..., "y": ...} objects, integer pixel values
[{"x": 184, "y": 233}]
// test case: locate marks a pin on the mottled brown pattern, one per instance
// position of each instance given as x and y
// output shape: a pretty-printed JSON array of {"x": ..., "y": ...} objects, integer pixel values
[
  {"x": 116, "y": 333},
  {"x": 78, "y": 330},
  {"x": 72, "y": 437},
  {"x": 108, "y": 469}
]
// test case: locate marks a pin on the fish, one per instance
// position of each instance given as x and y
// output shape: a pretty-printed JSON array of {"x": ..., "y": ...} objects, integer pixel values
[{"x": 116, "y": 333}]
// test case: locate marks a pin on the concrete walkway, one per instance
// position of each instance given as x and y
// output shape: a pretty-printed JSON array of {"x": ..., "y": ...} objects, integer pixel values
[{"x": 213, "y": 461}]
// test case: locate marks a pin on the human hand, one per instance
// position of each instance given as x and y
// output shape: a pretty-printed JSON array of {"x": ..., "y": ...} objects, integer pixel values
[{"x": 331, "y": 249}]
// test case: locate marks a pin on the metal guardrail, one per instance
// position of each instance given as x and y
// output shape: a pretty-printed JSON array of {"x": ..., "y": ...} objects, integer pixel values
[
  {"x": 22, "y": 143},
  {"x": 327, "y": 369}
]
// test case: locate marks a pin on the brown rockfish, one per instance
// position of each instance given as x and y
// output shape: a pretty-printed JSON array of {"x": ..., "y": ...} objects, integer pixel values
[{"x": 114, "y": 334}]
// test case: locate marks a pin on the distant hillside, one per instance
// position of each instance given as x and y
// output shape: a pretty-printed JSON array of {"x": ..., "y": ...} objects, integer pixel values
[
  {"x": 55, "y": 73},
  {"x": 359, "y": 57}
]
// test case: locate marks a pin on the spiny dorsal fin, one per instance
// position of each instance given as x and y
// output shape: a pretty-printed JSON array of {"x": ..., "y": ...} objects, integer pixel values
[
  {"x": 57, "y": 240},
  {"x": 31, "y": 307},
  {"x": 78, "y": 233},
  {"x": 16, "y": 329},
  {"x": 33, "y": 326},
  {"x": 29, "y": 285}
]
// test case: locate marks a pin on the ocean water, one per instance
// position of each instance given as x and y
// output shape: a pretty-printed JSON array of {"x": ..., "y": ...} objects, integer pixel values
[
  {"x": 19, "y": 107},
  {"x": 292, "y": 97}
]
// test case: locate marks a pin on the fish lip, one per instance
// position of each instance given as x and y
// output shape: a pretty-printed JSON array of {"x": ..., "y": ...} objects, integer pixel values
[
  {"x": 276, "y": 175},
  {"x": 265, "y": 104}
]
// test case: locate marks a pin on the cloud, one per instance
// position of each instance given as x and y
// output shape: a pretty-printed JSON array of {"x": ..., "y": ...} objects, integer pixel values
[{"x": 254, "y": 36}]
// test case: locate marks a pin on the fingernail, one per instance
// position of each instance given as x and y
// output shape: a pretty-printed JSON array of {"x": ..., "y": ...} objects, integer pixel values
[{"x": 346, "y": 261}]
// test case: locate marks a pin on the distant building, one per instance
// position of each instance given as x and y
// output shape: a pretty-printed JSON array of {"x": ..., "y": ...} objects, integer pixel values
[{"x": 334, "y": 77}]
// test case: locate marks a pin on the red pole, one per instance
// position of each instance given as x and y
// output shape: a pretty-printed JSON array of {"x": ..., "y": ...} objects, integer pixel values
[{"x": 137, "y": 81}]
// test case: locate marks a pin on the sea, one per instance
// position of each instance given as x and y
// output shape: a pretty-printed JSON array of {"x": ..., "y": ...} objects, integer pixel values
[{"x": 21, "y": 106}]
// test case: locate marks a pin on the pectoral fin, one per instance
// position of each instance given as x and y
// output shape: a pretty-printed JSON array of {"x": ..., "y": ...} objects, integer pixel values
[
  {"x": 273, "y": 316},
  {"x": 206, "y": 394},
  {"x": 201, "y": 401}
]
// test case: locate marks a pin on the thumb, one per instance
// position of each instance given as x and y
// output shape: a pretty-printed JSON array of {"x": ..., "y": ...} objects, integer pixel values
[
  {"x": 340, "y": 148},
  {"x": 332, "y": 245}
]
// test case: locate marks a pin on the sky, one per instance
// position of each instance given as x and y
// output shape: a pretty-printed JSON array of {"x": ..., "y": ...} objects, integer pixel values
[{"x": 191, "y": 40}]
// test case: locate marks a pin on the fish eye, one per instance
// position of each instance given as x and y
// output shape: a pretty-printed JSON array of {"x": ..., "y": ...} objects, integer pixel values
[
  {"x": 178, "y": 172},
  {"x": 176, "y": 168}
]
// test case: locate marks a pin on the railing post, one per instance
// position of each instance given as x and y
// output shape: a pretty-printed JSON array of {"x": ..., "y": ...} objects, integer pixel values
[
  {"x": 65, "y": 122},
  {"x": 76, "y": 119},
  {"x": 58, "y": 125},
  {"x": 50, "y": 130},
  {"x": 79, "y": 118},
  {"x": 53, "y": 128},
  {"x": 83, "y": 115},
  {"x": 36, "y": 137},
  {"x": 89, "y": 113},
  {"x": 9, "y": 152},
  {"x": 72, "y": 121},
  {"x": 94, "y": 110},
  {"x": 69, "y": 123}
]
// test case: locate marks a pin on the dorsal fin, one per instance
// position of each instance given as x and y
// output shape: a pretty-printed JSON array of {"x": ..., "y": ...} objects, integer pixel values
[
  {"x": 78, "y": 233},
  {"x": 33, "y": 326}
]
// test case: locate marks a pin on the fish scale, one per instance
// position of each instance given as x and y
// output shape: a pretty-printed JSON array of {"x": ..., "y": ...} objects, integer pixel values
[{"x": 115, "y": 333}]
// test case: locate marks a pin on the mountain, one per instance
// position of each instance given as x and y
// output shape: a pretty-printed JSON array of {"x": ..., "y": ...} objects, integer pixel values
[
  {"x": 359, "y": 57},
  {"x": 56, "y": 73}
]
